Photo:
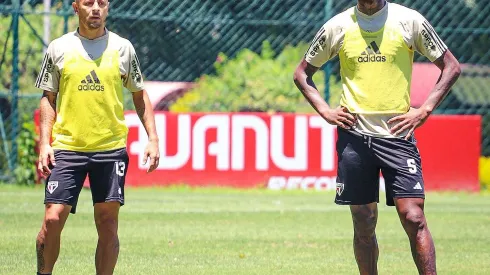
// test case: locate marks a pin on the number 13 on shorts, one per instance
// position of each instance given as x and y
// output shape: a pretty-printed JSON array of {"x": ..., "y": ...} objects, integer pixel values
[{"x": 120, "y": 167}]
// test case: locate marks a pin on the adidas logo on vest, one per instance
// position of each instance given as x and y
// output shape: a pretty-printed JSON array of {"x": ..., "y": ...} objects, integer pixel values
[
  {"x": 91, "y": 83},
  {"x": 371, "y": 54}
]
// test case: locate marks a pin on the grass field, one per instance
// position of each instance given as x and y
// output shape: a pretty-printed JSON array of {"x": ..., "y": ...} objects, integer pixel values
[{"x": 212, "y": 231}]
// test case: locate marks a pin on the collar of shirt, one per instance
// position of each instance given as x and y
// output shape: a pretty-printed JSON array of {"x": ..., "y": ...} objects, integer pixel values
[
  {"x": 106, "y": 34},
  {"x": 382, "y": 11}
]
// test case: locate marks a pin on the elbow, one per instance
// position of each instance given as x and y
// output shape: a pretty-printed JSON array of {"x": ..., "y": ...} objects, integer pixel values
[
  {"x": 298, "y": 76},
  {"x": 454, "y": 66},
  {"x": 457, "y": 70}
]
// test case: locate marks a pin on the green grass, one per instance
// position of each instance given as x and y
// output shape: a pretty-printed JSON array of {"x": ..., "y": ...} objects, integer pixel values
[{"x": 217, "y": 231}]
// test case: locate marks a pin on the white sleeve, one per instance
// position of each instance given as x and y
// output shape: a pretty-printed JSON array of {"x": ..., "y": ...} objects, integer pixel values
[
  {"x": 49, "y": 76},
  {"x": 133, "y": 78},
  {"x": 325, "y": 45},
  {"x": 426, "y": 41}
]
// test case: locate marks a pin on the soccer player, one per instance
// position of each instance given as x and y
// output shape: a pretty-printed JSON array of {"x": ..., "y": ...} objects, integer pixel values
[
  {"x": 82, "y": 75},
  {"x": 375, "y": 41}
]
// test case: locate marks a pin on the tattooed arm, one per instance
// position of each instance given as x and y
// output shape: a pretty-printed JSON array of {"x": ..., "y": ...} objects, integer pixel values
[
  {"x": 145, "y": 113},
  {"x": 48, "y": 115}
]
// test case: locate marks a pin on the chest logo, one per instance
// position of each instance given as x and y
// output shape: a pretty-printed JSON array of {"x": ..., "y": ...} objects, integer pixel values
[
  {"x": 91, "y": 82},
  {"x": 371, "y": 54}
]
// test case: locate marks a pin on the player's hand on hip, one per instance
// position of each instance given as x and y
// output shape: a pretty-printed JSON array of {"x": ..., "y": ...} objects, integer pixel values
[
  {"x": 413, "y": 119},
  {"x": 46, "y": 158},
  {"x": 153, "y": 154},
  {"x": 340, "y": 117}
]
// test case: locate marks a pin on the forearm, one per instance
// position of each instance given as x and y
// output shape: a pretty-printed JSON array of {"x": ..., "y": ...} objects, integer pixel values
[
  {"x": 441, "y": 89},
  {"x": 336, "y": 116},
  {"x": 450, "y": 71},
  {"x": 309, "y": 90},
  {"x": 145, "y": 113},
  {"x": 47, "y": 119}
]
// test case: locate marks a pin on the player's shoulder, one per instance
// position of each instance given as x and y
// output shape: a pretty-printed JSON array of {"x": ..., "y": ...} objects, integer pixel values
[
  {"x": 59, "y": 45},
  {"x": 64, "y": 40},
  {"x": 403, "y": 13},
  {"x": 120, "y": 42},
  {"x": 341, "y": 20}
]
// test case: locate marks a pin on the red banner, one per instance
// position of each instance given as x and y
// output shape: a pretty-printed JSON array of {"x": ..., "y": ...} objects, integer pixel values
[{"x": 286, "y": 151}]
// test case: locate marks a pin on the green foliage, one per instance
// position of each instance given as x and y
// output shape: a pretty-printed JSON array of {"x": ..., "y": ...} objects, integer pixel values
[
  {"x": 25, "y": 172},
  {"x": 250, "y": 82},
  {"x": 30, "y": 47}
]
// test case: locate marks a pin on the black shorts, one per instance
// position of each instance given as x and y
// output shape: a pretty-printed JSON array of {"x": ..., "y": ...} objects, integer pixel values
[
  {"x": 360, "y": 160},
  {"x": 106, "y": 172}
]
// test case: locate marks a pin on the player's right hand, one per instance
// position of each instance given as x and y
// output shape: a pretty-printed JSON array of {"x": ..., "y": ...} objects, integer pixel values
[
  {"x": 340, "y": 117},
  {"x": 152, "y": 152},
  {"x": 46, "y": 157}
]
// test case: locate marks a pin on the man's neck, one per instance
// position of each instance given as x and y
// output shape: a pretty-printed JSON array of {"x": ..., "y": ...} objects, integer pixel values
[
  {"x": 91, "y": 33},
  {"x": 370, "y": 7}
]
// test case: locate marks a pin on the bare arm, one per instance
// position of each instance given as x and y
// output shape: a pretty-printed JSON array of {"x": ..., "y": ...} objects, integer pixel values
[
  {"x": 145, "y": 113},
  {"x": 303, "y": 78},
  {"x": 48, "y": 116},
  {"x": 450, "y": 71}
]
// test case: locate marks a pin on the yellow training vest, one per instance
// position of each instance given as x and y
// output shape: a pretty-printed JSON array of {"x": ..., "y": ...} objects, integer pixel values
[
  {"x": 376, "y": 70},
  {"x": 90, "y": 115}
]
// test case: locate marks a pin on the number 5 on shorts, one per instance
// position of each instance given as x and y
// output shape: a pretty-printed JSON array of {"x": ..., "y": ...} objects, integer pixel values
[
  {"x": 120, "y": 167},
  {"x": 412, "y": 168}
]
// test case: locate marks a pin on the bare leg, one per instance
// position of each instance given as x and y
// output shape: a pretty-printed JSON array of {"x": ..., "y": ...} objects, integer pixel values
[
  {"x": 106, "y": 219},
  {"x": 366, "y": 250},
  {"x": 48, "y": 239},
  {"x": 411, "y": 213}
]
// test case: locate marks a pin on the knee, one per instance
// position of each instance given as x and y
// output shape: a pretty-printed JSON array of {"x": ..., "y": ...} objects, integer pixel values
[
  {"x": 364, "y": 220},
  {"x": 106, "y": 224},
  {"x": 413, "y": 219},
  {"x": 54, "y": 218},
  {"x": 52, "y": 223},
  {"x": 105, "y": 220}
]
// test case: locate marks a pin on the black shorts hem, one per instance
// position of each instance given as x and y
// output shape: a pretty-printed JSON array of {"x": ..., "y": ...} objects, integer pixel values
[
  {"x": 341, "y": 202},
  {"x": 58, "y": 201},
  {"x": 401, "y": 196},
  {"x": 391, "y": 201},
  {"x": 73, "y": 209},
  {"x": 111, "y": 200}
]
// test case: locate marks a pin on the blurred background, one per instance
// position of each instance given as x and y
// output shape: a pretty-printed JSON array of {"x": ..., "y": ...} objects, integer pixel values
[{"x": 225, "y": 56}]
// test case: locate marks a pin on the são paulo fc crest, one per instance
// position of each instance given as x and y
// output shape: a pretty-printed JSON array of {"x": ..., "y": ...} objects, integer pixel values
[
  {"x": 340, "y": 188},
  {"x": 52, "y": 185}
]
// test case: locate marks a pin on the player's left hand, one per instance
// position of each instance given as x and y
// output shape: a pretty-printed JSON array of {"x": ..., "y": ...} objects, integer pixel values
[
  {"x": 153, "y": 154},
  {"x": 411, "y": 120}
]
